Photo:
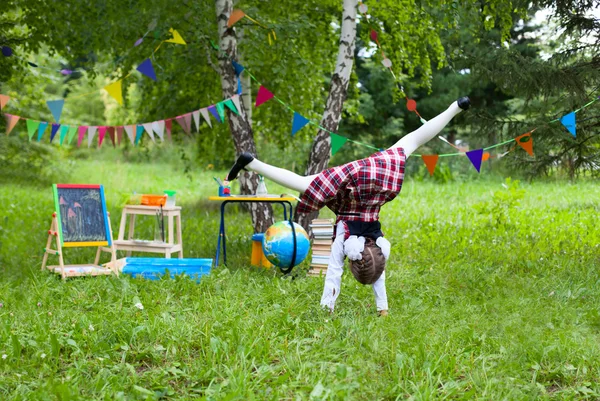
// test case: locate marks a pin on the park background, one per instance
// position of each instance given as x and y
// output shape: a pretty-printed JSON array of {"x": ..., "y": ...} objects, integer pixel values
[{"x": 492, "y": 282}]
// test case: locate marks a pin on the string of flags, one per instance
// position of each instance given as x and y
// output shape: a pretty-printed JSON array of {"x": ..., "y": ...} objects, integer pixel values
[{"x": 237, "y": 15}]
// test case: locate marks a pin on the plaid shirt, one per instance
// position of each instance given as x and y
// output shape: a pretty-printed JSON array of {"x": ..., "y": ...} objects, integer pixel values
[{"x": 356, "y": 191}]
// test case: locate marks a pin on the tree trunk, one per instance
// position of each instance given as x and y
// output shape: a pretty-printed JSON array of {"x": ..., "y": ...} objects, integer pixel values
[
  {"x": 321, "y": 149},
  {"x": 241, "y": 130}
]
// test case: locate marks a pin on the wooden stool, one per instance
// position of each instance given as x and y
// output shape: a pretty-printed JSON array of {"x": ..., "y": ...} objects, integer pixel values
[{"x": 130, "y": 244}]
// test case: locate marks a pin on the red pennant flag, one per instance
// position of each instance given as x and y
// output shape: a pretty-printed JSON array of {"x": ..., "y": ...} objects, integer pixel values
[
  {"x": 373, "y": 35},
  {"x": 81, "y": 131},
  {"x": 430, "y": 162},
  {"x": 526, "y": 142},
  {"x": 101, "y": 133},
  {"x": 168, "y": 125},
  {"x": 111, "y": 135},
  {"x": 119, "y": 134},
  {"x": 263, "y": 95}
]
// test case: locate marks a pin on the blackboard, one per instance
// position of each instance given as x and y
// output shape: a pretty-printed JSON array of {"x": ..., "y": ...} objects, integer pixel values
[{"x": 81, "y": 215}]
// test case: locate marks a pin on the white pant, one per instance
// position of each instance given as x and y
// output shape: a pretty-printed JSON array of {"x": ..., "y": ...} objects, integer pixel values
[{"x": 335, "y": 269}]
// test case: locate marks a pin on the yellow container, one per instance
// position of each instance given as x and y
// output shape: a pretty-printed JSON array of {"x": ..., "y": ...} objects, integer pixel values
[{"x": 258, "y": 258}]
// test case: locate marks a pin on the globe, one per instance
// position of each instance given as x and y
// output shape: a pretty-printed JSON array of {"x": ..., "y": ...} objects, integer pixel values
[{"x": 278, "y": 244}]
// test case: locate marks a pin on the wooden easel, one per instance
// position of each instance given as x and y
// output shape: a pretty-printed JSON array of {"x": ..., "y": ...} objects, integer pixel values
[{"x": 75, "y": 270}]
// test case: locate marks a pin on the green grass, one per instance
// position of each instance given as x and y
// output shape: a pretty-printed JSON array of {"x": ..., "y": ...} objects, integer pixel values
[{"x": 490, "y": 298}]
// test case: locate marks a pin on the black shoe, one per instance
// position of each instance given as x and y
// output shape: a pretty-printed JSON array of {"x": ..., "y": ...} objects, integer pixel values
[
  {"x": 464, "y": 103},
  {"x": 241, "y": 162}
]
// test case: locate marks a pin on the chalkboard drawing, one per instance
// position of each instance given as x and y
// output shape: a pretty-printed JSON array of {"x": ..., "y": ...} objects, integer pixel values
[{"x": 80, "y": 219}]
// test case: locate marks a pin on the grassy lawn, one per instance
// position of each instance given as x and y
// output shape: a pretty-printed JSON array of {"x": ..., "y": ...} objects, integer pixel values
[{"x": 493, "y": 295}]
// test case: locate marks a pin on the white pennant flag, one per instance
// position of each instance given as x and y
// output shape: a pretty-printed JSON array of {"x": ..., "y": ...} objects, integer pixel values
[
  {"x": 236, "y": 101},
  {"x": 196, "y": 115},
  {"x": 159, "y": 128},
  {"x": 130, "y": 129},
  {"x": 91, "y": 134},
  {"x": 206, "y": 116},
  {"x": 148, "y": 128}
]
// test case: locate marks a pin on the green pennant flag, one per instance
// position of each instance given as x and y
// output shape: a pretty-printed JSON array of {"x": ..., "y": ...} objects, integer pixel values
[
  {"x": 231, "y": 106},
  {"x": 337, "y": 141},
  {"x": 32, "y": 127},
  {"x": 221, "y": 110},
  {"x": 63, "y": 133},
  {"x": 71, "y": 134}
]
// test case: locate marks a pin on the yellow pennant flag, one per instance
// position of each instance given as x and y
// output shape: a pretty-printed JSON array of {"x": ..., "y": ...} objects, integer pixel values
[
  {"x": 115, "y": 91},
  {"x": 176, "y": 38}
]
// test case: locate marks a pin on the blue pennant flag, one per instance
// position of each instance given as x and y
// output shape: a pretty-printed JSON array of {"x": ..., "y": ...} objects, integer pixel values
[
  {"x": 298, "y": 123},
  {"x": 56, "y": 108},
  {"x": 147, "y": 69},
  {"x": 138, "y": 133},
  {"x": 239, "y": 89},
  {"x": 237, "y": 67},
  {"x": 41, "y": 129},
  {"x": 569, "y": 122},
  {"x": 55, "y": 128}
]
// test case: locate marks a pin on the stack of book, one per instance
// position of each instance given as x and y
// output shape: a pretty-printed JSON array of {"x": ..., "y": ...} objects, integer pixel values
[{"x": 321, "y": 248}]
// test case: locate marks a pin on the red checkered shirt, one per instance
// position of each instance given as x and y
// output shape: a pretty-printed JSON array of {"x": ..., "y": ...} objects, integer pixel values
[{"x": 356, "y": 191}]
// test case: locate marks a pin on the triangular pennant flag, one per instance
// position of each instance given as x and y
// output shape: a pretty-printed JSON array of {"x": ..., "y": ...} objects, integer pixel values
[
  {"x": 231, "y": 106},
  {"x": 3, "y": 100},
  {"x": 139, "y": 130},
  {"x": 235, "y": 16},
  {"x": 63, "y": 133},
  {"x": 111, "y": 135},
  {"x": 237, "y": 67},
  {"x": 159, "y": 128},
  {"x": 337, "y": 141},
  {"x": 56, "y": 108},
  {"x": 475, "y": 156},
  {"x": 213, "y": 111},
  {"x": 101, "y": 134},
  {"x": 54, "y": 130},
  {"x": 41, "y": 130},
  {"x": 221, "y": 110},
  {"x": 185, "y": 121},
  {"x": 11, "y": 121},
  {"x": 148, "y": 128},
  {"x": 176, "y": 38},
  {"x": 298, "y": 123},
  {"x": 239, "y": 89},
  {"x": 129, "y": 129},
  {"x": 81, "y": 134},
  {"x": 236, "y": 101},
  {"x": 526, "y": 142},
  {"x": 196, "y": 115},
  {"x": 569, "y": 122},
  {"x": 147, "y": 69},
  {"x": 262, "y": 96},
  {"x": 204, "y": 113},
  {"x": 168, "y": 125},
  {"x": 120, "y": 130},
  {"x": 32, "y": 126},
  {"x": 430, "y": 162},
  {"x": 115, "y": 91},
  {"x": 91, "y": 134},
  {"x": 71, "y": 134}
]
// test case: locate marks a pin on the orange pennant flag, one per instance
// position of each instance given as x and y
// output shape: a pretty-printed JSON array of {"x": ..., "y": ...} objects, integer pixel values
[
  {"x": 235, "y": 16},
  {"x": 430, "y": 162},
  {"x": 115, "y": 91},
  {"x": 3, "y": 100},
  {"x": 526, "y": 142},
  {"x": 11, "y": 121}
]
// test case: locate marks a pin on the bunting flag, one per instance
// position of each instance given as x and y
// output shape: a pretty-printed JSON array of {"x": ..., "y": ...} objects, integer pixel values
[
  {"x": 159, "y": 128},
  {"x": 56, "y": 108},
  {"x": 71, "y": 134},
  {"x": 221, "y": 110},
  {"x": 239, "y": 86},
  {"x": 526, "y": 142},
  {"x": 11, "y": 121},
  {"x": 236, "y": 101},
  {"x": 91, "y": 134},
  {"x": 475, "y": 156},
  {"x": 81, "y": 134},
  {"x": 129, "y": 129},
  {"x": 147, "y": 69},
  {"x": 120, "y": 130},
  {"x": 32, "y": 126},
  {"x": 569, "y": 122},
  {"x": 115, "y": 91},
  {"x": 213, "y": 111},
  {"x": 177, "y": 39},
  {"x": 63, "y": 134},
  {"x": 54, "y": 130},
  {"x": 263, "y": 95},
  {"x": 196, "y": 116},
  {"x": 101, "y": 134},
  {"x": 3, "y": 100},
  {"x": 185, "y": 121},
  {"x": 111, "y": 135},
  {"x": 430, "y": 162},
  {"x": 235, "y": 16},
  {"x": 148, "y": 128},
  {"x": 168, "y": 125},
  {"x": 298, "y": 123},
  {"x": 139, "y": 130},
  {"x": 231, "y": 106},
  {"x": 206, "y": 117},
  {"x": 41, "y": 130},
  {"x": 337, "y": 141},
  {"x": 237, "y": 67}
]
